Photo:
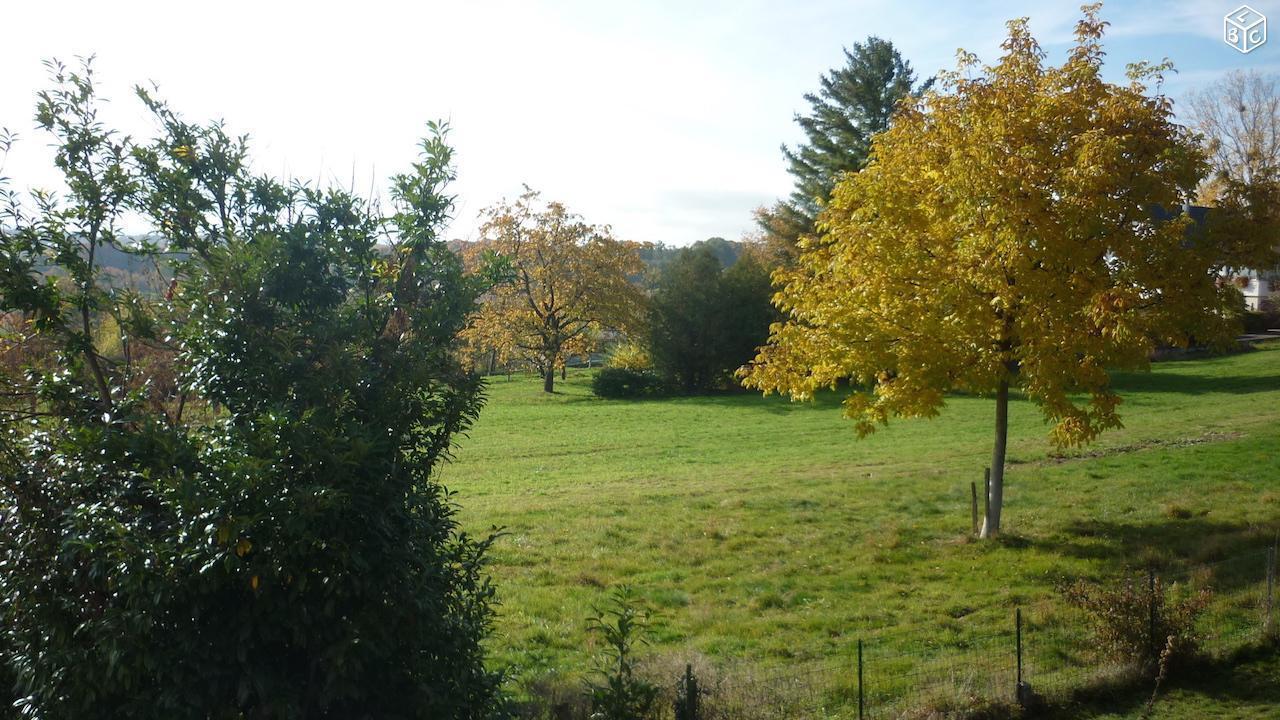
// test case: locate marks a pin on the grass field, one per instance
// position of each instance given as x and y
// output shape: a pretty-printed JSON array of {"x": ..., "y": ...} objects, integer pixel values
[
  {"x": 764, "y": 533},
  {"x": 1246, "y": 689}
]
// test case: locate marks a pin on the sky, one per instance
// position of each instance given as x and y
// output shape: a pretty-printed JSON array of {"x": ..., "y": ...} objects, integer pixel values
[{"x": 660, "y": 119}]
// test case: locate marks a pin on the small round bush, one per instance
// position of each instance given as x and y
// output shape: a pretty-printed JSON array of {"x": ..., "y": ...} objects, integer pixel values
[
  {"x": 1261, "y": 322},
  {"x": 630, "y": 356},
  {"x": 622, "y": 383}
]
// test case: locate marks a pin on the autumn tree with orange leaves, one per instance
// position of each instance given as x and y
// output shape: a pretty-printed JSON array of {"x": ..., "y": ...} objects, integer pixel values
[
  {"x": 1002, "y": 237},
  {"x": 569, "y": 281}
]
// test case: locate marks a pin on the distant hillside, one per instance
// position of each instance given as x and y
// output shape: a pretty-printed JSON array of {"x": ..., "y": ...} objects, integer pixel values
[
  {"x": 112, "y": 257},
  {"x": 125, "y": 270},
  {"x": 138, "y": 272},
  {"x": 658, "y": 256}
]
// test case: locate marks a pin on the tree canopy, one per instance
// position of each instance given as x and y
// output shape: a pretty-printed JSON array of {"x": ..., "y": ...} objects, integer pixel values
[
  {"x": 569, "y": 280},
  {"x": 706, "y": 321},
  {"x": 852, "y": 104},
  {"x": 1003, "y": 235},
  {"x": 1240, "y": 119}
]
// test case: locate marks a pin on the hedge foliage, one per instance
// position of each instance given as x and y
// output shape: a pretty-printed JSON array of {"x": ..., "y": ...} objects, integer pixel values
[{"x": 237, "y": 514}]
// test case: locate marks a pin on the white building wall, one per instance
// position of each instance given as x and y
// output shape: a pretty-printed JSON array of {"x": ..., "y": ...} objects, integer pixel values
[{"x": 1256, "y": 292}]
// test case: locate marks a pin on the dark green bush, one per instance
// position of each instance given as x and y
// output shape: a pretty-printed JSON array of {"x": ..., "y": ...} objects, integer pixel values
[
  {"x": 1260, "y": 322},
  {"x": 623, "y": 383},
  {"x": 706, "y": 321},
  {"x": 267, "y": 538}
]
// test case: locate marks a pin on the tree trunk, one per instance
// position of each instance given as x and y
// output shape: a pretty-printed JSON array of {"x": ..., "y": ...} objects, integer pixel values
[
  {"x": 564, "y": 371},
  {"x": 991, "y": 524},
  {"x": 549, "y": 379}
]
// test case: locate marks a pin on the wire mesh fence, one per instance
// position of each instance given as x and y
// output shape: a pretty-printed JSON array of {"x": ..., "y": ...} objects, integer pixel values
[{"x": 1044, "y": 653}]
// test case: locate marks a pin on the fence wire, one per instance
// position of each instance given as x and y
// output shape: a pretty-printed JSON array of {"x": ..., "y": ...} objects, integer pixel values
[{"x": 1056, "y": 655}]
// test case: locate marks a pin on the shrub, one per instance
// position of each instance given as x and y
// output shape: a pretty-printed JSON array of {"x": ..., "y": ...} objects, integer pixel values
[
  {"x": 611, "y": 382},
  {"x": 629, "y": 356},
  {"x": 618, "y": 692},
  {"x": 551, "y": 697},
  {"x": 266, "y": 537},
  {"x": 1140, "y": 622},
  {"x": 1260, "y": 322}
]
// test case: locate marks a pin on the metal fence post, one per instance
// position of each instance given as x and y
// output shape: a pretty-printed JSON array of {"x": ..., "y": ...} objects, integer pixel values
[
  {"x": 688, "y": 696},
  {"x": 860, "y": 700},
  {"x": 1017, "y": 689}
]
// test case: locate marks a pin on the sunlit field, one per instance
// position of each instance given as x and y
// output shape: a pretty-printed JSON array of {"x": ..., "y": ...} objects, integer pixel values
[{"x": 764, "y": 532}]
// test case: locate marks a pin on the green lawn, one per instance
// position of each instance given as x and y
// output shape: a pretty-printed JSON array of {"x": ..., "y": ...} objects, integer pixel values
[{"x": 766, "y": 534}]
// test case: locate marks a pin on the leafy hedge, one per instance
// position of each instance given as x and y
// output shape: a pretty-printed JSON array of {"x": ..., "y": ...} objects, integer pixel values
[
  {"x": 1260, "y": 322},
  {"x": 623, "y": 383},
  {"x": 264, "y": 537}
]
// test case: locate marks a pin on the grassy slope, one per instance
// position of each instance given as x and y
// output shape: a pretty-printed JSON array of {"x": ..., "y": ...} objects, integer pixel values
[{"x": 765, "y": 531}]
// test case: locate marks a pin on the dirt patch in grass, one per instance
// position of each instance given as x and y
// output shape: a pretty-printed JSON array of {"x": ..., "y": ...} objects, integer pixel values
[{"x": 1057, "y": 458}]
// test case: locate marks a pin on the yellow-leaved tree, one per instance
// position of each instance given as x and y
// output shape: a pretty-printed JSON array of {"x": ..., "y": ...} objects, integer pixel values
[
  {"x": 1005, "y": 233},
  {"x": 569, "y": 282}
]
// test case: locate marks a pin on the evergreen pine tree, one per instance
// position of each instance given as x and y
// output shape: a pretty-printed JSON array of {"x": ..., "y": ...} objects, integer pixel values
[{"x": 853, "y": 103}]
